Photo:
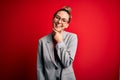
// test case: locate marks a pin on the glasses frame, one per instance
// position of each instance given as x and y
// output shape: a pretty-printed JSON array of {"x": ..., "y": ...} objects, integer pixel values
[{"x": 64, "y": 20}]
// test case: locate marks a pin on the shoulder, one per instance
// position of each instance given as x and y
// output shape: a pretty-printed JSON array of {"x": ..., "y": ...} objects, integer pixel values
[
  {"x": 71, "y": 34},
  {"x": 44, "y": 38}
]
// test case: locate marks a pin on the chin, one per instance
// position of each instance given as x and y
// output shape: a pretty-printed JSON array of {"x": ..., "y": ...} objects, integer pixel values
[{"x": 59, "y": 30}]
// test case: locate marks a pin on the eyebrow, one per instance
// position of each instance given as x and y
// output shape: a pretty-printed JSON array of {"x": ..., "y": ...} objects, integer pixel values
[{"x": 60, "y": 17}]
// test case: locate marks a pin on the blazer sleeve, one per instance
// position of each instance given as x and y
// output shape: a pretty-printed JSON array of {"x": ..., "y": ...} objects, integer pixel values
[
  {"x": 40, "y": 64},
  {"x": 65, "y": 53}
]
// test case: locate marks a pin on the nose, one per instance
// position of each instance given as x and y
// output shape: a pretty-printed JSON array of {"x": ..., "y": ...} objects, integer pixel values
[{"x": 60, "y": 21}]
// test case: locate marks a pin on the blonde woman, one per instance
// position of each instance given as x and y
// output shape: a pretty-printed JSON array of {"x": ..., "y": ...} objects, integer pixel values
[{"x": 56, "y": 51}]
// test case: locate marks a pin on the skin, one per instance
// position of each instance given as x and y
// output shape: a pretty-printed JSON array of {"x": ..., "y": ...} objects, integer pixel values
[{"x": 59, "y": 25}]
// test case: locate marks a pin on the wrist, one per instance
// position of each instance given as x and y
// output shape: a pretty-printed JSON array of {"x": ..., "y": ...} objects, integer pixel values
[{"x": 59, "y": 41}]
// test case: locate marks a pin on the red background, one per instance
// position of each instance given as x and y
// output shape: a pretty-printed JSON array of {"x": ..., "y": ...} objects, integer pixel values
[{"x": 96, "y": 23}]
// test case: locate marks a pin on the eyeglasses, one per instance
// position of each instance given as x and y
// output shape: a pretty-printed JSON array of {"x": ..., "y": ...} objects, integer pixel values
[{"x": 62, "y": 19}]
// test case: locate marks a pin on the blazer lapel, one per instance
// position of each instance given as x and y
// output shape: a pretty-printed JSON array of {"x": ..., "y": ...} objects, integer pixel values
[
  {"x": 64, "y": 35},
  {"x": 50, "y": 48}
]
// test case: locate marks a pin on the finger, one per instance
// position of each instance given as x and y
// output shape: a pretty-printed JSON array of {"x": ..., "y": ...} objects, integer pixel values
[
  {"x": 55, "y": 30},
  {"x": 54, "y": 27}
]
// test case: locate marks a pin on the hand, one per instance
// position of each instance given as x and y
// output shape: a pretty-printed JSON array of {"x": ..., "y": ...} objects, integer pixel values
[{"x": 57, "y": 35}]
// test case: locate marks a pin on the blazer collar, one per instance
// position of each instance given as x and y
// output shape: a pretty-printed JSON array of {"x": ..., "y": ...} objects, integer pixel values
[
  {"x": 49, "y": 45},
  {"x": 50, "y": 36}
]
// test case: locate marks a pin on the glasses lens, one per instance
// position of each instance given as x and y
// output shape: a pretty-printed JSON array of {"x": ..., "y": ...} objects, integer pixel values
[{"x": 62, "y": 19}]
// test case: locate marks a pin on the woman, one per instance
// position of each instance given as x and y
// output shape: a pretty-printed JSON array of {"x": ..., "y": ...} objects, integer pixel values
[{"x": 56, "y": 51}]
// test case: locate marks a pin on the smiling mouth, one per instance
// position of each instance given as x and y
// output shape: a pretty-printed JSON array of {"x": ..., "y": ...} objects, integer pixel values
[{"x": 58, "y": 25}]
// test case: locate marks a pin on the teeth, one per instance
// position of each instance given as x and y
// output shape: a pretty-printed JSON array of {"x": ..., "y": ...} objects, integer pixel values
[{"x": 58, "y": 26}]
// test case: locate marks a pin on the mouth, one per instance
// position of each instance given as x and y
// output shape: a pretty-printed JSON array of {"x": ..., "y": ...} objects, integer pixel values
[{"x": 58, "y": 27}]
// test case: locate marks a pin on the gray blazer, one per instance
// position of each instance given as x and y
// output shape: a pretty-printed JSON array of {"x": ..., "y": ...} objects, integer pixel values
[{"x": 50, "y": 69}]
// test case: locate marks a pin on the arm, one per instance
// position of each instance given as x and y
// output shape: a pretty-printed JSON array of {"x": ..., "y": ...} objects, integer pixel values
[
  {"x": 67, "y": 54},
  {"x": 40, "y": 65}
]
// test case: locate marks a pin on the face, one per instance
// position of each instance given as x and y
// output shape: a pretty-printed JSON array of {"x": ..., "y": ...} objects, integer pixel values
[{"x": 60, "y": 21}]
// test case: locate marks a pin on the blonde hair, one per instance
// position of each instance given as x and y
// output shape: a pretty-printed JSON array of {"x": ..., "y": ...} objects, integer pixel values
[{"x": 67, "y": 9}]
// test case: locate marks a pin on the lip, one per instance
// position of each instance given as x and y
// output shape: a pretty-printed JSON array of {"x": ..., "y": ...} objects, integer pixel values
[{"x": 58, "y": 25}]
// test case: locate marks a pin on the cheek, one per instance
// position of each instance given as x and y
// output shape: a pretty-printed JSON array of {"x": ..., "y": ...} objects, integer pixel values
[
  {"x": 54, "y": 21},
  {"x": 65, "y": 25}
]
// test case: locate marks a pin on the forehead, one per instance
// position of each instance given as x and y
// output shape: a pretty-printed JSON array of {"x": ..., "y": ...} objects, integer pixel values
[{"x": 63, "y": 14}]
